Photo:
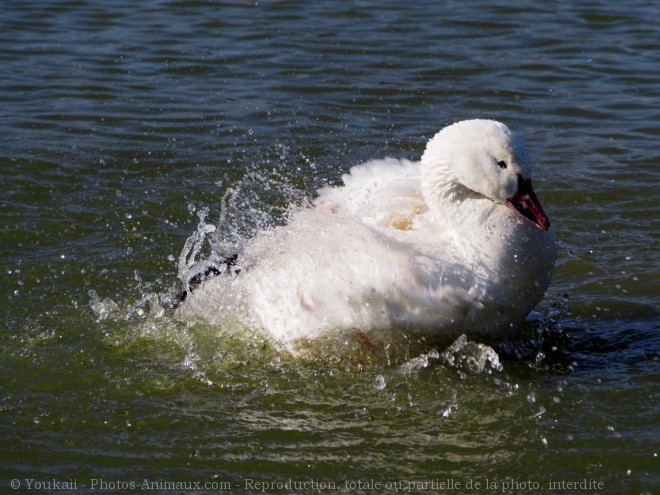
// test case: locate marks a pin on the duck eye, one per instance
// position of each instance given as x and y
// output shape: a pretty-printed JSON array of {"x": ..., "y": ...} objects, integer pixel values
[{"x": 502, "y": 164}]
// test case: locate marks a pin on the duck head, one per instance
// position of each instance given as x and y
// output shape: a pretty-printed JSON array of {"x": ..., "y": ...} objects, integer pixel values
[{"x": 481, "y": 158}]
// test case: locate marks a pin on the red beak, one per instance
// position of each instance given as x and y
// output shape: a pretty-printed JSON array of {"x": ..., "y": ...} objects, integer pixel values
[{"x": 528, "y": 205}]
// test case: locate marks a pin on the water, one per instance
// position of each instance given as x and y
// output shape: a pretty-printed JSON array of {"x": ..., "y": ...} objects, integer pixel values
[{"x": 121, "y": 121}]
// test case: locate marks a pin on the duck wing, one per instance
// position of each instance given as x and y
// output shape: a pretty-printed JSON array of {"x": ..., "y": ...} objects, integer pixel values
[{"x": 384, "y": 193}]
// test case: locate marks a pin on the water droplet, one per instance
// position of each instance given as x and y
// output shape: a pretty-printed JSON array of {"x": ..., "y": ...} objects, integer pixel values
[{"x": 379, "y": 382}]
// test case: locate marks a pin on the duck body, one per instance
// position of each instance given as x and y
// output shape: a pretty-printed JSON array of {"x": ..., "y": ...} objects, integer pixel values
[{"x": 424, "y": 249}]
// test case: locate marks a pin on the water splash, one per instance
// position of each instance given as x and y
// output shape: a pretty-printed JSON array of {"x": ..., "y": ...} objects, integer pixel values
[
  {"x": 102, "y": 308},
  {"x": 464, "y": 355},
  {"x": 258, "y": 202},
  {"x": 189, "y": 264},
  {"x": 472, "y": 357},
  {"x": 419, "y": 362},
  {"x": 147, "y": 306}
]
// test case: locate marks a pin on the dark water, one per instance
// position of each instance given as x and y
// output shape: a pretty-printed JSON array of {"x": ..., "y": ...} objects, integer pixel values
[{"x": 120, "y": 121}]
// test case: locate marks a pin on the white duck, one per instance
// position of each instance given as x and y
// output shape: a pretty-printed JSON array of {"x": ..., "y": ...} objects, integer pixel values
[{"x": 456, "y": 243}]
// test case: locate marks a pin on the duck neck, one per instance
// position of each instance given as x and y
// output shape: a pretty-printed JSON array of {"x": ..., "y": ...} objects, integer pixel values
[
  {"x": 506, "y": 247},
  {"x": 451, "y": 203},
  {"x": 440, "y": 190}
]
